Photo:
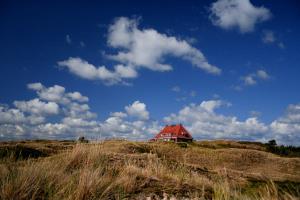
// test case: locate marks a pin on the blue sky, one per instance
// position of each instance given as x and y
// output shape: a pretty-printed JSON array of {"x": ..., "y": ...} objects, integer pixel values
[{"x": 225, "y": 69}]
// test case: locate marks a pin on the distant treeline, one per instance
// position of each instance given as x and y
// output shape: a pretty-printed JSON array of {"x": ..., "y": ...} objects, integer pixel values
[{"x": 290, "y": 151}]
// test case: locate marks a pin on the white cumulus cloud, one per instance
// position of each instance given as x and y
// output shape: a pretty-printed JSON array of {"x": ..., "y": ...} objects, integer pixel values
[
  {"x": 35, "y": 106},
  {"x": 240, "y": 14},
  {"x": 147, "y": 47},
  {"x": 138, "y": 109},
  {"x": 137, "y": 48},
  {"x": 88, "y": 71},
  {"x": 203, "y": 121},
  {"x": 286, "y": 129},
  {"x": 77, "y": 96},
  {"x": 56, "y": 93},
  {"x": 73, "y": 118},
  {"x": 11, "y": 116},
  {"x": 33, "y": 119}
]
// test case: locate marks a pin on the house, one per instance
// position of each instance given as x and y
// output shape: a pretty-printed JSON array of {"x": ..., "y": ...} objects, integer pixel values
[{"x": 176, "y": 133}]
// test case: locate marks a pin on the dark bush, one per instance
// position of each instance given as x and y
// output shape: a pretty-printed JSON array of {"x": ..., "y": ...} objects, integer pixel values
[
  {"x": 82, "y": 139},
  {"x": 20, "y": 152}
]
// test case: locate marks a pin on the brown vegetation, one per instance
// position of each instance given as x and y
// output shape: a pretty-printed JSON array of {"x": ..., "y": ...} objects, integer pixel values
[{"x": 139, "y": 170}]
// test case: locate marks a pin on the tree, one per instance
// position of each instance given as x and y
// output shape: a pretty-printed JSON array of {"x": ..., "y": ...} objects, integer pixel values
[{"x": 272, "y": 143}]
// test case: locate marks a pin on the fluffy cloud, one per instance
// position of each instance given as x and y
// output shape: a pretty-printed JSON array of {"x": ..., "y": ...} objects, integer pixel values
[
  {"x": 138, "y": 110},
  {"x": 11, "y": 116},
  {"x": 77, "y": 97},
  {"x": 120, "y": 127},
  {"x": 204, "y": 122},
  {"x": 35, "y": 86},
  {"x": 287, "y": 127},
  {"x": 78, "y": 122},
  {"x": 73, "y": 118},
  {"x": 263, "y": 75},
  {"x": 56, "y": 94},
  {"x": 210, "y": 106},
  {"x": 88, "y": 71},
  {"x": 76, "y": 110},
  {"x": 241, "y": 14},
  {"x": 146, "y": 47},
  {"x": 11, "y": 131},
  {"x": 35, "y": 106},
  {"x": 118, "y": 114},
  {"x": 251, "y": 79},
  {"x": 138, "y": 48},
  {"x": 31, "y": 119}
]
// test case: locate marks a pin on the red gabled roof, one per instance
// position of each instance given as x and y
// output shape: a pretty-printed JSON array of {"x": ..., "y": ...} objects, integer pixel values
[{"x": 174, "y": 131}]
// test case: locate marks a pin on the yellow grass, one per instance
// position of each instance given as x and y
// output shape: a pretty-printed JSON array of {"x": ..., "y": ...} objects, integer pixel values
[{"x": 137, "y": 170}]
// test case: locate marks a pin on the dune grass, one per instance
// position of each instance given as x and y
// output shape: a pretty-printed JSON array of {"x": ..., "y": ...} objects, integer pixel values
[{"x": 136, "y": 170}]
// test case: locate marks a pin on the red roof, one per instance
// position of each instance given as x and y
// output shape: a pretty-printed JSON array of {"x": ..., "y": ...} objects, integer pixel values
[{"x": 174, "y": 131}]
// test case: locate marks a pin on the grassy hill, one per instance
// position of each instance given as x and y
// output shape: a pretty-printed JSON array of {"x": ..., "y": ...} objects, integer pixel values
[{"x": 140, "y": 170}]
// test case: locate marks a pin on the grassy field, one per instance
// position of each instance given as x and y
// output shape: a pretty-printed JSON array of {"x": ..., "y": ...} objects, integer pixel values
[{"x": 140, "y": 170}]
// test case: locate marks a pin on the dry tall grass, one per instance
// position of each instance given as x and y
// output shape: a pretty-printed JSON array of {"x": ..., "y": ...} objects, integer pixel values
[{"x": 133, "y": 170}]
